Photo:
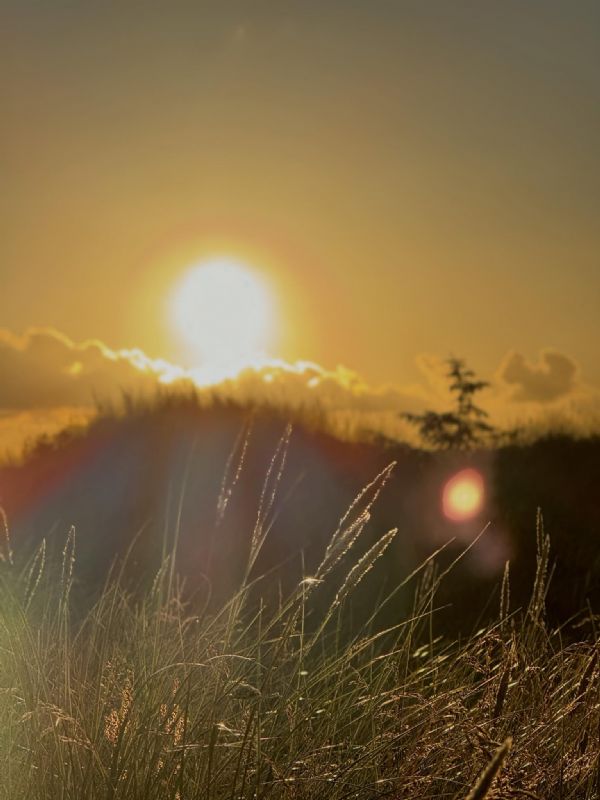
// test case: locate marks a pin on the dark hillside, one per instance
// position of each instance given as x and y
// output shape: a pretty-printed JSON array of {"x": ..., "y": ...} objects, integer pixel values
[{"x": 156, "y": 474}]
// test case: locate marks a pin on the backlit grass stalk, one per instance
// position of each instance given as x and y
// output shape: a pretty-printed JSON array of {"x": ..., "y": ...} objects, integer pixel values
[
  {"x": 148, "y": 696},
  {"x": 484, "y": 784}
]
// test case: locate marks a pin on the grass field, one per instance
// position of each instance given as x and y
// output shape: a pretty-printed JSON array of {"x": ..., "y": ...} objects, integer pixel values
[{"x": 153, "y": 696}]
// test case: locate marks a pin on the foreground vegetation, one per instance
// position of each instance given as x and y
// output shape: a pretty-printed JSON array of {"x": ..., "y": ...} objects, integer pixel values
[{"x": 155, "y": 695}]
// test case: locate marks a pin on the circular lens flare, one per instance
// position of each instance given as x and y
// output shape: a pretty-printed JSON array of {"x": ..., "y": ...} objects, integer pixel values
[{"x": 463, "y": 496}]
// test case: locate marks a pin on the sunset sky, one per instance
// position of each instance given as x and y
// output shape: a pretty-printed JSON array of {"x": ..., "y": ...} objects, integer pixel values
[{"x": 410, "y": 179}]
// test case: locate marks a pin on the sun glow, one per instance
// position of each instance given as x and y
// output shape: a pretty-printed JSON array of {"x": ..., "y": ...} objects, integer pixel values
[
  {"x": 463, "y": 495},
  {"x": 223, "y": 312}
]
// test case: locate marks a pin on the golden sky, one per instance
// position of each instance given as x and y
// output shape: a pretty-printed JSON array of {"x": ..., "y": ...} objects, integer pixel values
[{"x": 409, "y": 177}]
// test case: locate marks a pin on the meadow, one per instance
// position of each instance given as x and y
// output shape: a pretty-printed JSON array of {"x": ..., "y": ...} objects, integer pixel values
[
  {"x": 257, "y": 680},
  {"x": 299, "y": 400}
]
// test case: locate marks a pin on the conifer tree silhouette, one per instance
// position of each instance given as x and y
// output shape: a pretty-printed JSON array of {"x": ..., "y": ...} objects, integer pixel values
[{"x": 465, "y": 426}]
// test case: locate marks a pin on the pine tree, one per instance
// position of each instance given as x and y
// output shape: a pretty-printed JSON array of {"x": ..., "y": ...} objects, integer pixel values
[{"x": 465, "y": 426}]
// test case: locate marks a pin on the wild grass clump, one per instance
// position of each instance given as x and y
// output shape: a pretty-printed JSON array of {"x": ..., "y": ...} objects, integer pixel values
[{"x": 154, "y": 698}]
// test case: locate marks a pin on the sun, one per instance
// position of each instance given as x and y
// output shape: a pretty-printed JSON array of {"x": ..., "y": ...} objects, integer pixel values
[
  {"x": 463, "y": 495},
  {"x": 223, "y": 312}
]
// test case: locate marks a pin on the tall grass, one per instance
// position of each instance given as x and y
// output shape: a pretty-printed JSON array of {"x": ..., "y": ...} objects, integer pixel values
[{"x": 151, "y": 697}]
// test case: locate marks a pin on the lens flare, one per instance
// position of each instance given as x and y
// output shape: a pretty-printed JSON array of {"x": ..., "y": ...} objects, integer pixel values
[{"x": 463, "y": 496}]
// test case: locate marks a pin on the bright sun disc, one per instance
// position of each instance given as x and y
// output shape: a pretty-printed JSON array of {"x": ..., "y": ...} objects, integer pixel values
[
  {"x": 463, "y": 494},
  {"x": 223, "y": 312}
]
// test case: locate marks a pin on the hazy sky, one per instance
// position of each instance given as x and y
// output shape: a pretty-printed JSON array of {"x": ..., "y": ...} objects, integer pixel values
[{"x": 413, "y": 177}]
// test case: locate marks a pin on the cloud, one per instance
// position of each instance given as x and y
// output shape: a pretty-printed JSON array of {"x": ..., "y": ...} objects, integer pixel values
[
  {"x": 45, "y": 369},
  {"x": 49, "y": 381},
  {"x": 553, "y": 377},
  {"x": 44, "y": 372}
]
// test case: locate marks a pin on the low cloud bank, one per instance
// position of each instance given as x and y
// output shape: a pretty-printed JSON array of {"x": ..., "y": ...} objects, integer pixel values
[
  {"x": 49, "y": 380},
  {"x": 45, "y": 369}
]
